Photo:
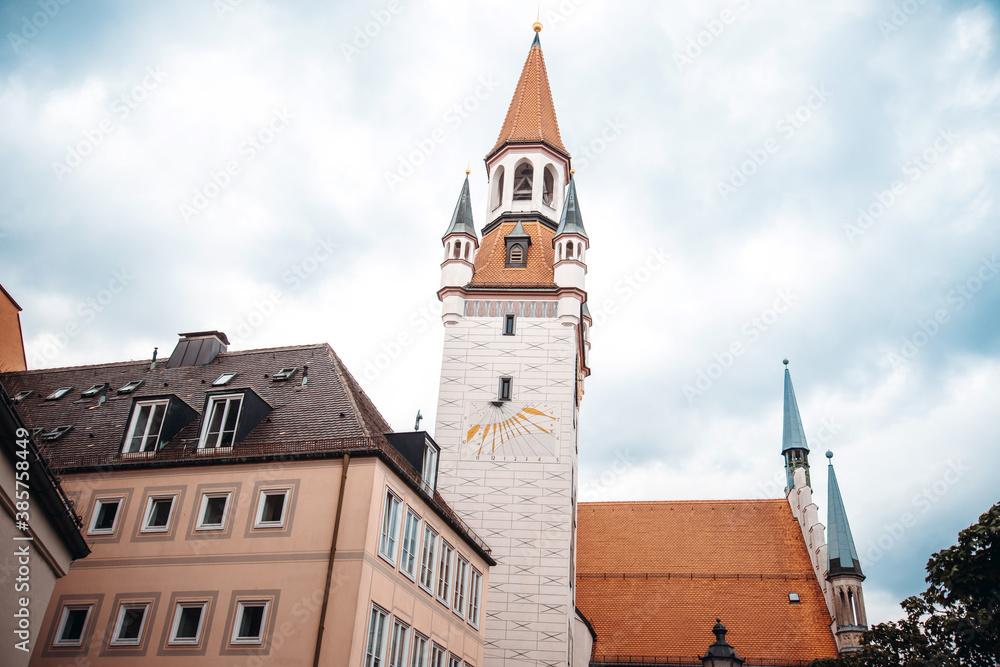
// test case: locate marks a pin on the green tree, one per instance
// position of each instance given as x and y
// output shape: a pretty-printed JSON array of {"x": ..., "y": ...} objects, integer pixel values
[{"x": 955, "y": 622}]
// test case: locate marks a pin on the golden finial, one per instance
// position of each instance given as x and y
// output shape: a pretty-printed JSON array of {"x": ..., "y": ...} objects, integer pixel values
[
  {"x": 537, "y": 26},
  {"x": 467, "y": 170},
  {"x": 572, "y": 171}
]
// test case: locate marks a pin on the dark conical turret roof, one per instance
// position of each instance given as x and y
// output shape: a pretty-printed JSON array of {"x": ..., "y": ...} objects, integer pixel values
[
  {"x": 571, "y": 222},
  {"x": 461, "y": 219}
]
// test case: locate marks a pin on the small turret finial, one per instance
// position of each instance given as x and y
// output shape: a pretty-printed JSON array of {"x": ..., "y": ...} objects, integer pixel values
[
  {"x": 537, "y": 26},
  {"x": 829, "y": 455},
  {"x": 468, "y": 169},
  {"x": 784, "y": 361}
]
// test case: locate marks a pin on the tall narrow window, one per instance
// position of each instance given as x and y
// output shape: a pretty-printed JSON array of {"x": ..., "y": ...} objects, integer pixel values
[
  {"x": 375, "y": 647},
  {"x": 430, "y": 465},
  {"x": 144, "y": 430},
  {"x": 461, "y": 576},
  {"x": 220, "y": 426},
  {"x": 390, "y": 523},
  {"x": 548, "y": 185},
  {"x": 475, "y": 595},
  {"x": 498, "y": 193},
  {"x": 506, "y": 389},
  {"x": 437, "y": 656},
  {"x": 444, "y": 573},
  {"x": 428, "y": 559},
  {"x": 419, "y": 656},
  {"x": 408, "y": 553},
  {"x": 398, "y": 643},
  {"x": 508, "y": 324},
  {"x": 522, "y": 181}
]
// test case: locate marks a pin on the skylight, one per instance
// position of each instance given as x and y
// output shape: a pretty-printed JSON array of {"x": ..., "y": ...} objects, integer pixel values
[
  {"x": 284, "y": 374},
  {"x": 21, "y": 395},
  {"x": 55, "y": 433},
  {"x": 130, "y": 386},
  {"x": 58, "y": 393},
  {"x": 94, "y": 391},
  {"x": 793, "y": 598},
  {"x": 224, "y": 379}
]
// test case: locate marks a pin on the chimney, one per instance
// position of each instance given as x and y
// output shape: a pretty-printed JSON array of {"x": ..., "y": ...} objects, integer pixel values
[{"x": 197, "y": 348}]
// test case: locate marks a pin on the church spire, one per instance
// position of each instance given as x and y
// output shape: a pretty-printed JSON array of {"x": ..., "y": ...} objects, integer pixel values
[
  {"x": 842, "y": 555},
  {"x": 793, "y": 436},
  {"x": 461, "y": 219},
  {"x": 571, "y": 222},
  {"x": 531, "y": 117}
]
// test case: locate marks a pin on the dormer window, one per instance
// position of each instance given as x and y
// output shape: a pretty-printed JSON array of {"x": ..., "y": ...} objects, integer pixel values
[
  {"x": 58, "y": 393},
  {"x": 284, "y": 374},
  {"x": 94, "y": 391},
  {"x": 130, "y": 386},
  {"x": 523, "y": 176},
  {"x": 219, "y": 429},
  {"x": 144, "y": 429},
  {"x": 429, "y": 472},
  {"x": 515, "y": 255},
  {"x": 517, "y": 242}
]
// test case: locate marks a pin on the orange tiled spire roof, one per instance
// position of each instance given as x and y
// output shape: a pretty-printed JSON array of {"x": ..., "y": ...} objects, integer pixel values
[{"x": 531, "y": 117}]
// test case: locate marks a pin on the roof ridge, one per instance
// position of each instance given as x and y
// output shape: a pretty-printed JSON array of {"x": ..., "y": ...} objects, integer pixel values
[{"x": 362, "y": 404}]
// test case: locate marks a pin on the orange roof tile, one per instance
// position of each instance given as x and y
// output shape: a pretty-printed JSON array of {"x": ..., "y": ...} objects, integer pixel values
[
  {"x": 653, "y": 576},
  {"x": 491, "y": 258},
  {"x": 531, "y": 117}
]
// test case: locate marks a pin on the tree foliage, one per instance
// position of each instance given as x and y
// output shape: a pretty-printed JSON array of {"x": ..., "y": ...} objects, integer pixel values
[{"x": 955, "y": 622}]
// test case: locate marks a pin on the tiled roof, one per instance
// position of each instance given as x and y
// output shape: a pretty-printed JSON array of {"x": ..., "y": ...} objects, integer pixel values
[
  {"x": 653, "y": 576},
  {"x": 531, "y": 117},
  {"x": 491, "y": 258}
]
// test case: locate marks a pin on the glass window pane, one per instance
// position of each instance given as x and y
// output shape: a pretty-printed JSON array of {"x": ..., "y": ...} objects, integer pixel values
[
  {"x": 251, "y": 622},
  {"x": 215, "y": 508},
  {"x": 131, "y": 622},
  {"x": 187, "y": 625},
  {"x": 76, "y": 619}
]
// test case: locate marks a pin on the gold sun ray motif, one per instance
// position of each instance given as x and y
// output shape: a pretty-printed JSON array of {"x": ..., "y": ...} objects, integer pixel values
[{"x": 511, "y": 431}]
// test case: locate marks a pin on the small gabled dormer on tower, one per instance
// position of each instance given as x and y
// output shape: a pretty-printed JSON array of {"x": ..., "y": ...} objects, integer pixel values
[
  {"x": 460, "y": 245},
  {"x": 843, "y": 571},
  {"x": 793, "y": 437}
]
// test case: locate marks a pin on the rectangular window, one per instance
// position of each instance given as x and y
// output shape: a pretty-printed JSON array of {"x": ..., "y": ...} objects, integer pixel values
[
  {"x": 505, "y": 389},
  {"x": 444, "y": 573},
  {"x": 94, "y": 390},
  {"x": 475, "y": 595},
  {"x": 158, "y": 511},
  {"x": 390, "y": 520},
  {"x": 251, "y": 619},
  {"x": 461, "y": 581},
  {"x": 427, "y": 559},
  {"x": 284, "y": 374},
  {"x": 73, "y": 625},
  {"x": 408, "y": 555},
  {"x": 144, "y": 431},
  {"x": 130, "y": 386},
  {"x": 219, "y": 429},
  {"x": 224, "y": 379},
  {"x": 129, "y": 624},
  {"x": 437, "y": 656},
  {"x": 430, "y": 465},
  {"x": 187, "y": 623},
  {"x": 398, "y": 643},
  {"x": 212, "y": 515},
  {"x": 271, "y": 508},
  {"x": 419, "y": 656},
  {"x": 508, "y": 324},
  {"x": 375, "y": 648},
  {"x": 105, "y": 516},
  {"x": 58, "y": 393},
  {"x": 454, "y": 660}
]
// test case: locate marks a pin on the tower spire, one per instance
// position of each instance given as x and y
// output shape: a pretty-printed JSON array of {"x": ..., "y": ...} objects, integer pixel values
[
  {"x": 842, "y": 555},
  {"x": 461, "y": 219},
  {"x": 571, "y": 222},
  {"x": 843, "y": 572},
  {"x": 793, "y": 436}
]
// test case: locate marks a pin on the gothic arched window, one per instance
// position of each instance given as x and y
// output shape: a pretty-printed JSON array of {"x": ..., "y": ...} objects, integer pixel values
[
  {"x": 548, "y": 185},
  {"x": 523, "y": 176},
  {"x": 498, "y": 194}
]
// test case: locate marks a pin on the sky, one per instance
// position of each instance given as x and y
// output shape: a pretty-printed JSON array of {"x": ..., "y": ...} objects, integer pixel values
[{"x": 760, "y": 180}]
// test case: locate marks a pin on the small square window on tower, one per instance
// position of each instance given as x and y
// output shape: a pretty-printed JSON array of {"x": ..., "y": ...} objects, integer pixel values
[
  {"x": 506, "y": 389},
  {"x": 508, "y": 324}
]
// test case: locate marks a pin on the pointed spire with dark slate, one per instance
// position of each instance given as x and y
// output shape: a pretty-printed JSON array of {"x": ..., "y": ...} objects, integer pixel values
[
  {"x": 461, "y": 219},
  {"x": 841, "y": 553},
  {"x": 793, "y": 436},
  {"x": 571, "y": 222}
]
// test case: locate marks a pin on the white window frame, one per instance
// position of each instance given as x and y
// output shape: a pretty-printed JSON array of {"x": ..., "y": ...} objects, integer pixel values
[
  {"x": 430, "y": 465},
  {"x": 460, "y": 585},
  {"x": 375, "y": 646},
  {"x": 437, "y": 655},
  {"x": 418, "y": 654},
  {"x": 241, "y": 607},
  {"x": 409, "y": 544},
  {"x": 445, "y": 573},
  {"x": 149, "y": 441},
  {"x": 428, "y": 559},
  {"x": 454, "y": 660},
  {"x": 116, "y": 638},
  {"x": 150, "y": 503},
  {"x": 98, "y": 504},
  {"x": 64, "y": 617},
  {"x": 399, "y": 643},
  {"x": 388, "y": 535},
  {"x": 213, "y": 401},
  {"x": 178, "y": 612},
  {"x": 201, "y": 525},
  {"x": 261, "y": 502},
  {"x": 475, "y": 596}
]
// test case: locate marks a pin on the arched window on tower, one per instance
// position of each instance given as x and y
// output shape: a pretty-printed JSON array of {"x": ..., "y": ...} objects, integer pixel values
[
  {"x": 548, "y": 185},
  {"x": 569, "y": 250},
  {"x": 515, "y": 255},
  {"x": 498, "y": 193},
  {"x": 523, "y": 176},
  {"x": 467, "y": 246},
  {"x": 458, "y": 250}
]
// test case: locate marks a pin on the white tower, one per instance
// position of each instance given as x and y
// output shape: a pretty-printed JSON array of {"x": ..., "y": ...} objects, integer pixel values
[{"x": 512, "y": 378}]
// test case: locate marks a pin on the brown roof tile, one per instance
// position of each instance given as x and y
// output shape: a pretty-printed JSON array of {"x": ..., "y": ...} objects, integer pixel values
[
  {"x": 491, "y": 258},
  {"x": 653, "y": 576},
  {"x": 531, "y": 117}
]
